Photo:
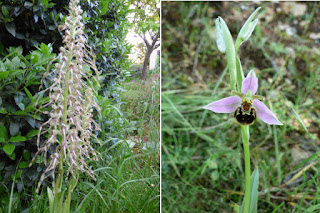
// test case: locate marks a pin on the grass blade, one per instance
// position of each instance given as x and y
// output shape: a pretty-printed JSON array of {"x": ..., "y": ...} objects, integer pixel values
[{"x": 254, "y": 191}]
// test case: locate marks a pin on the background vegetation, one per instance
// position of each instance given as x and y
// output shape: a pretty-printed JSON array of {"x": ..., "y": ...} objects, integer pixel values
[
  {"x": 202, "y": 167},
  {"x": 128, "y": 175}
]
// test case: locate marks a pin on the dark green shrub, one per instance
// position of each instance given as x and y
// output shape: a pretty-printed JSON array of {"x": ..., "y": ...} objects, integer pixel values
[
  {"x": 20, "y": 78},
  {"x": 107, "y": 26},
  {"x": 29, "y": 23}
]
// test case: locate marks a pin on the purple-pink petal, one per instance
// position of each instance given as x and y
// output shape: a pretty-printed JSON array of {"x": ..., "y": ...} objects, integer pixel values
[
  {"x": 265, "y": 114},
  {"x": 225, "y": 105},
  {"x": 250, "y": 83}
]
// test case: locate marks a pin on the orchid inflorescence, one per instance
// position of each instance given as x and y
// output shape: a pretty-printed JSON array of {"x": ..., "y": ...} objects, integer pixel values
[{"x": 72, "y": 97}]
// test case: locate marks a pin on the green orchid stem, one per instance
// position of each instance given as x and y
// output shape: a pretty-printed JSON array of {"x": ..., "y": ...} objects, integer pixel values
[{"x": 245, "y": 138}]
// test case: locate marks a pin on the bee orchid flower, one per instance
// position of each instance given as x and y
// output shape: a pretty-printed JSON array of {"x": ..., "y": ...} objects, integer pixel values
[{"x": 246, "y": 106}]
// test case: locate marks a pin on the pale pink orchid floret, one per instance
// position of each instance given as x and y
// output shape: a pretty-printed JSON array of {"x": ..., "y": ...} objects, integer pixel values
[{"x": 230, "y": 104}]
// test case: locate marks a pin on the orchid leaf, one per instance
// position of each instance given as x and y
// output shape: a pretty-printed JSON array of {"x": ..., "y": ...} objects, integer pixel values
[
  {"x": 254, "y": 191},
  {"x": 254, "y": 182}
]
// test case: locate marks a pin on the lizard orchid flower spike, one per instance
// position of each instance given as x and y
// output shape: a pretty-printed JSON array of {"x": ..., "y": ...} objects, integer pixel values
[
  {"x": 71, "y": 123},
  {"x": 245, "y": 105}
]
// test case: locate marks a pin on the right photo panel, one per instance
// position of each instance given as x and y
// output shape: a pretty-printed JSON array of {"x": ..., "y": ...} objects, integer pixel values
[{"x": 240, "y": 109}]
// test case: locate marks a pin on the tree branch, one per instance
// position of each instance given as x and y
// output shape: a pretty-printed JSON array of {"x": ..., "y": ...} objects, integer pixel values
[
  {"x": 143, "y": 37},
  {"x": 156, "y": 46}
]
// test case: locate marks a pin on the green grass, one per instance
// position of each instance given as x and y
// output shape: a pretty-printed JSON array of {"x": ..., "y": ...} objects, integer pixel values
[
  {"x": 202, "y": 154},
  {"x": 126, "y": 182}
]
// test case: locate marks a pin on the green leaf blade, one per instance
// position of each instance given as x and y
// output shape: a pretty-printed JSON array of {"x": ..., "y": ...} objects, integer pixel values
[
  {"x": 45, "y": 49},
  {"x": 11, "y": 27},
  {"x": 32, "y": 133},
  {"x": 8, "y": 148},
  {"x": 254, "y": 191},
  {"x": 23, "y": 164},
  {"x": 5, "y": 11},
  {"x": 299, "y": 120},
  {"x": 3, "y": 133},
  {"x": 17, "y": 139}
]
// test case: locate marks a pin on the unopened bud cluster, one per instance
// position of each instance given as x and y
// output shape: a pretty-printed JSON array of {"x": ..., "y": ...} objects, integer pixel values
[{"x": 72, "y": 98}]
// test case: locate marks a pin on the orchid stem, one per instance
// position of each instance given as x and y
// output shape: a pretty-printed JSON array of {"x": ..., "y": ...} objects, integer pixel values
[
  {"x": 245, "y": 138},
  {"x": 277, "y": 154}
]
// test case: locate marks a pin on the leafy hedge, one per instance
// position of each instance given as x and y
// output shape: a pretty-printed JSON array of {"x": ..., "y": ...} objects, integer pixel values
[
  {"x": 20, "y": 77},
  {"x": 106, "y": 36},
  {"x": 30, "y": 23}
]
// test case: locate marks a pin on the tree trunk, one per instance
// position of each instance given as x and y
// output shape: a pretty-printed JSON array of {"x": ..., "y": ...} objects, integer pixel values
[{"x": 146, "y": 63}]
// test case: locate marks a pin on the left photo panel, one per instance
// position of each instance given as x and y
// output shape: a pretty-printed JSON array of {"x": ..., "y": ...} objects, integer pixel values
[{"x": 80, "y": 106}]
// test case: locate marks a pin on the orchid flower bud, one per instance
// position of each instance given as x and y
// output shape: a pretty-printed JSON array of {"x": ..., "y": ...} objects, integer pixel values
[{"x": 247, "y": 29}]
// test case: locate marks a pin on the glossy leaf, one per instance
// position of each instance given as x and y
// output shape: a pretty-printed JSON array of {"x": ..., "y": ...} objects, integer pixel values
[
  {"x": 18, "y": 98},
  {"x": 11, "y": 27},
  {"x": 3, "y": 133},
  {"x": 28, "y": 5},
  {"x": 34, "y": 58},
  {"x": 26, "y": 155},
  {"x": 32, "y": 133},
  {"x": 3, "y": 110},
  {"x": 35, "y": 17},
  {"x": 8, "y": 64},
  {"x": 17, "y": 139},
  {"x": 19, "y": 36},
  {"x": 2, "y": 67},
  {"x": 44, "y": 49},
  {"x": 4, "y": 74},
  {"x": 104, "y": 6},
  {"x": 19, "y": 112},
  {"x": 16, "y": 62},
  {"x": 19, "y": 50},
  {"x": 12, "y": 156},
  {"x": 21, "y": 106},
  {"x": 23, "y": 165},
  {"x": 5, "y": 11},
  {"x": 14, "y": 128},
  {"x": 28, "y": 94},
  {"x": 8, "y": 148},
  {"x": 17, "y": 73},
  {"x": 30, "y": 121}
]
